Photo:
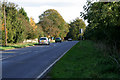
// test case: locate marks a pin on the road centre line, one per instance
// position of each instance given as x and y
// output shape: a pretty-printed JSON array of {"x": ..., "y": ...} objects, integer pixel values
[
  {"x": 24, "y": 52},
  {"x": 14, "y": 55},
  {"x": 35, "y": 51},
  {"x": 6, "y": 58}
]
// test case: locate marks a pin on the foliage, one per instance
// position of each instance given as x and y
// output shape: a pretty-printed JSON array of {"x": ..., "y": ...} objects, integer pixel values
[
  {"x": 35, "y": 30},
  {"x": 0, "y": 26},
  {"x": 75, "y": 27},
  {"x": 104, "y": 22},
  {"x": 40, "y": 31},
  {"x": 17, "y": 24},
  {"x": 22, "y": 11},
  {"x": 28, "y": 29},
  {"x": 53, "y": 24},
  {"x": 32, "y": 23}
]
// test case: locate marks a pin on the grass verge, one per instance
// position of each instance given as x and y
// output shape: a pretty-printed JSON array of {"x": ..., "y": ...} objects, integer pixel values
[
  {"x": 84, "y": 60},
  {"x": 19, "y": 45}
]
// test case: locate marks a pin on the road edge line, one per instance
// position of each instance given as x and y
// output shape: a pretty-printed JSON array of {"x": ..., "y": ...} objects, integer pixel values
[{"x": 52, "y": 64}]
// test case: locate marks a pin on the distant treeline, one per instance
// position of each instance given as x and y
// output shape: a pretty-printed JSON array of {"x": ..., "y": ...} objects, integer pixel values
[{"x": 51, "y": 24}]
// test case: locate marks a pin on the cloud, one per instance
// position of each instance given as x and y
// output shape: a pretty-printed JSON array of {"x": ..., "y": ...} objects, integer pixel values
[
  {"x": 54, "y": 4},
  {"x": 69, "y": 9},
  {"x": 68, "y": 13}
]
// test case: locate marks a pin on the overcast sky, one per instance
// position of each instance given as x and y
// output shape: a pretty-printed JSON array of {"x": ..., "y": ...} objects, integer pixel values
[{"x": 69, "y": 9}]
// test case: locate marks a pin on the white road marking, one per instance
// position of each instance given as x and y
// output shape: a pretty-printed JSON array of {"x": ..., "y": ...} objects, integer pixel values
[
  {"x": 51, "y": 65},
  {"x": 35, "y": 51},
  {"x": 23, "y": 52},
  {"x": 43, "y": 46},
  {"x": 14, "y": 55},
  {"x": 6, "y": 58}
]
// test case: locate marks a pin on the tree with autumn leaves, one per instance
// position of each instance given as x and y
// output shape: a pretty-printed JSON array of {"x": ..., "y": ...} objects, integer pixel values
[
  {"x": 37, "y": 30},
  {"x": 53, "y": 24},
  {"x": 32, "y": 23},
  {"x": 18, "y": 26}
]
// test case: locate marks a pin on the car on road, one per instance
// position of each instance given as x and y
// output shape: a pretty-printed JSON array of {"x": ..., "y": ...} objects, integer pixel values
[
  {"x": 69, "y": 39},
  {"x": 58, "y": 40},
  {"x": 44, "y": 40}
]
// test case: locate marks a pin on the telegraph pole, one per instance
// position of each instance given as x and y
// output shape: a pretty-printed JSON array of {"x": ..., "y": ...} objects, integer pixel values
[{"x": 5, "y": 25}]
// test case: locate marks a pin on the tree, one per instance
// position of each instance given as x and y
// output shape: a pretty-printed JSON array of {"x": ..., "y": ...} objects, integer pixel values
[
  {"x": 52, "y": 23},
  {"x": 22, "y": 11},
  {"x": 104, "y": 25},
  {"x": 104, "y": 22},
  {"x": 32, "y": 23},
  {"x": 35, "y": 32},
  {"x": 18, "y": 26},
  {"x": 75, "y": 27},
  {"x": 10, "y": 10},
  {"x": 40, "y": 31}
]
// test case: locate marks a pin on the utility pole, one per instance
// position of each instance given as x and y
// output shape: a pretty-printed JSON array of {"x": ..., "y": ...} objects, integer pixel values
[{"x": 5, "y": 25}]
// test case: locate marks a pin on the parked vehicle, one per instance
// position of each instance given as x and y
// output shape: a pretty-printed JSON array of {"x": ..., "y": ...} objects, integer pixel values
[
  {"x": 69, "y": 39},
  {"x": 58, "y": 39},
  {"x": 44, "y": 40}
]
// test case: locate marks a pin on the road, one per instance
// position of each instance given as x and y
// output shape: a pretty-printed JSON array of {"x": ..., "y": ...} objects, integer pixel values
[{"x": 31, "y": 62}]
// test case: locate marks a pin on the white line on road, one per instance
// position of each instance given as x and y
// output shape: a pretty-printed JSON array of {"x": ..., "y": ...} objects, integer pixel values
[
  {"x": 6, "y": 58},
  {"x": 24, "y": 52},
  {"x": 35, "y": 51},
  {"x": 14, "y": 55},
  {"x": 51, "y": 65}
]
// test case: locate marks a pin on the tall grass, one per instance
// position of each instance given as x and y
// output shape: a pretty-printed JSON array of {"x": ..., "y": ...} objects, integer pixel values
[
  {"x": 111, "y": 52},
  {"x": 85, "y": 60}
]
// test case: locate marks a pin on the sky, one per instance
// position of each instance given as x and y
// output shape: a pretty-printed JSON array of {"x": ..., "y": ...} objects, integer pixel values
[{"x": 69, "y": 9}]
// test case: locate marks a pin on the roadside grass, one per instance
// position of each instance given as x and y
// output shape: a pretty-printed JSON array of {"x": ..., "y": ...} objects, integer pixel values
[
  {"x": 84, "y": 60},
  {"x": 18, "y": 45}
]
